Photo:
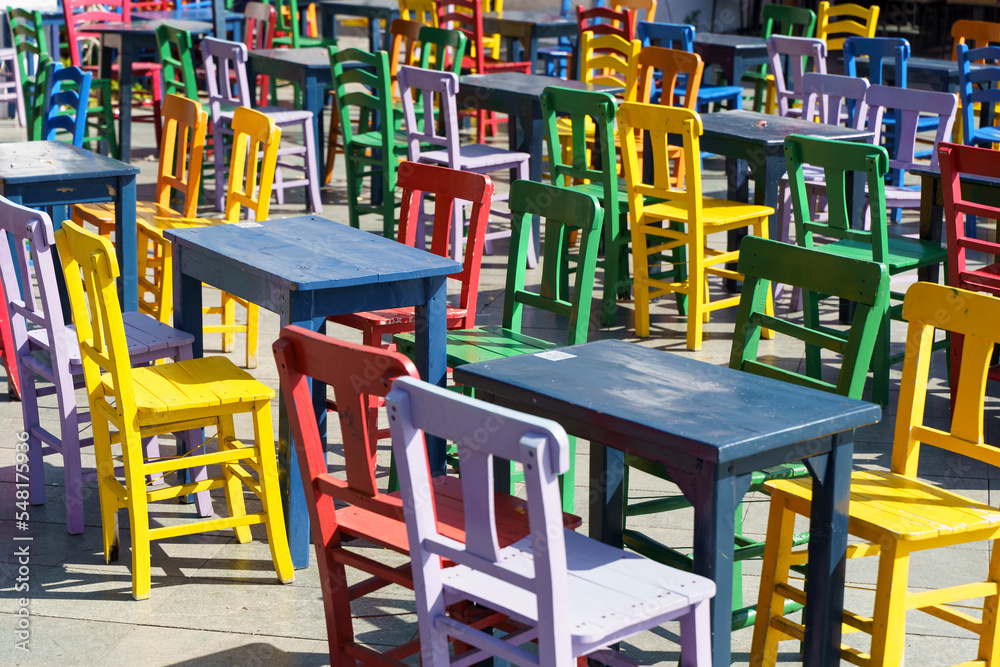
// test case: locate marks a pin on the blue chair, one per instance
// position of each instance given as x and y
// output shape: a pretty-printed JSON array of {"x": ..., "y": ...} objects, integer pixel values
[
  {"x": 66, "y": 96},
  {"x": 557, "y": 57},
  {"x": 979, "y": 87},
  {"x": 680, "y": 36}
]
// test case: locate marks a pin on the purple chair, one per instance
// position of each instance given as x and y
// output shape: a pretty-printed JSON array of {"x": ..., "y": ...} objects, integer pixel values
[
  {"x": 419, "y": 88},
  {"x": 48, "y": 354},
  {"x": 803, "y": 54},
  {"x": 533, "y": 580}
]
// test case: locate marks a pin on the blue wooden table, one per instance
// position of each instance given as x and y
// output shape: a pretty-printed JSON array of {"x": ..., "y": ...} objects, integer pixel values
[
  {"x": 56, "y": 175},
  {"x": 711, "y": 427},
  {"x": 376, "y": 11},
  {"x": 306, "y": 268}
]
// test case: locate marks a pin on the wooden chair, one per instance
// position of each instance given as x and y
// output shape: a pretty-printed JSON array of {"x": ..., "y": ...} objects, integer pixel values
[
  {"x": 466, "y": 16},
  {"x": 67, "y": 90},
  {"x": 30, "y": 45},
  {"x": 956, "y": 161},
  {"x": 421, "y": 11},
  {"x": 288, "y": 28},
  {"x": 371, "y": 148},
  {"x": 802, "y": 54},
  {"x": 46, "y": 353},
  {"x": 641, "y": 11},
  {"x": 434, "y": 139},
  {"x": 683, "y": 219},
  {"x": 527, "y": 581},
  {"x": 837, "y": 22},
  {"x": 974, "y": 34},
  {"x": 173, "y": 398},
  {"x": 896, "y": 514},
  {"x": 901, "y": 254},
  {"x": 977, "y": 90},
  {"x": 258, "y": 33},
  {"x": 343, "y": 509},
  {"x": 603, "y": 20},
  {"x": 777, "y": 19},
  {"x": 177, "y": 62},
  {"x": 563, "y": 210}
]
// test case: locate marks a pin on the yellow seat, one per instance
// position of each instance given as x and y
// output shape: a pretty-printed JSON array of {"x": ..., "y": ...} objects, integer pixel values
[
  {"x": 836, "y": 23},
  {"x": 250, "y": 183},
  {"x": 896, "y": 513},
  {"x": 681, "y": 222},
  {"x": 127, "y": 405}
]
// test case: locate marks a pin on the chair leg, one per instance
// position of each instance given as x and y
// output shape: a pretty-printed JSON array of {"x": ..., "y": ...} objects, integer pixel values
[
  {"x": 270, "y": 497},
  {"x": 190, "y": 440},
  {"x": 640, "y": 281},
  {"x": 73, "y": 468},
  {"x": 774, "y": 571},
  {"x": 697, "y": 292},
  {"x": 567, "y": 480},
  {"x": 138, "y": 516},
  {"x": 353, "y": 190},
  {"x": 331, "y": 145},
  {"x": 696, "y": 636},
  {"x": 253, "y": 328},
  {"x": 312, "y": 169},
  {"x": 235, "y": 504},
  {"x": 522, "y": 173},
  {"x": 889, "y": 618},
  {"x": 219, "y": 155},
  {"x": 989, "y": 633},
  {"x": 228, "y": 319}
]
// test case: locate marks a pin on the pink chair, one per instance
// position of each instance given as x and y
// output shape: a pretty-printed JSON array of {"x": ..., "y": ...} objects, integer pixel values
[
  {"x": 30, "y": 233},
  {"x": 478, "y": 158},
  {"x": 226, "y": 75},
  {"x": 533, "y": 580}
]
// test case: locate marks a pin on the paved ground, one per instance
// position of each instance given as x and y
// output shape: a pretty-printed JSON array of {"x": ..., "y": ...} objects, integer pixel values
[{"x": 216, "y": 602}]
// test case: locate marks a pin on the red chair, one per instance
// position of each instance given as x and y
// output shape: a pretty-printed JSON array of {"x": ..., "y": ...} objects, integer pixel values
[
  {"x": 606, "y": 21},
  {"x": 956, "y": 161},
  {"x": 8, "y": 351},
  {"x": 466, "y": 16},
  {"x": 355, "y": 373},
  {"x": 77, "y": 14},
  {"x": 258, "y": 33}
]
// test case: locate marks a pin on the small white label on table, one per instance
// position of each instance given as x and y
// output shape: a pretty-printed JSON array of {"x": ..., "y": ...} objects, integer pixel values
[
  {"x": 248, "y": 225},
  {"x": 555, "y": 355}
]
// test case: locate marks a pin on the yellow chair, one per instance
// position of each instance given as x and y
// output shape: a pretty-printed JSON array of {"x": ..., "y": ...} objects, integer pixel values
[
  {"x": 422, "y": 11},
  {"x": 647, "y": 9},
  {"x": 184, "y": 126},
  {"x": 250, "y": 183},
  {"x": 895, "y": 513},
  {"x": 142, "y": 402},
  {"x": 836, "y": 23},
  {"x": 682, "y": 220}
]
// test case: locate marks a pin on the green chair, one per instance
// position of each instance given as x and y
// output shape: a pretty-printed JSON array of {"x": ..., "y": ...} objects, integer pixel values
[
  {"x": 177, "y": 59},
  {"x": 31, "y": 46},
  {"x": 289, "y": 24},
  {"x": 564, "y": 211},
  {"x": 372, "y": 148},
  {"x": 764, "y": 262},
  {"x": 839, "y": 160},
  {"x": 591, "y": 117},
  {"x": 779, "y": 20}
]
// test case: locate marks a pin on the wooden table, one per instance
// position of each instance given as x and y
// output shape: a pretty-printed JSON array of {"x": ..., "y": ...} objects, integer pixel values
[
  {"x": 925, "y": 73},
  {"x": 306, "y": 268},
  {"x": 57, "y": 175},
  {"x": 376, "y": 11},
  {"x": 307, "y": 67},
  {"x": 527, "y": 27},
  {"x": 127, "y": 39},
  {"x": 711, "y": 427},
  {"x": 518, "y": 95},
  {"x": 234, "y": 20},
  {"x": 735, "y": 55}
]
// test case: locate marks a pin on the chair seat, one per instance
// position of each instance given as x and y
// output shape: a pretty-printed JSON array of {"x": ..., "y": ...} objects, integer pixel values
[
  {"x": 280, "y": 115},
  {"x": 634, "y": 592},
  {"x": 907, "y": 508},
  {"x": 102, "y": 215},
  {"x": 398, "y": 319},
  {"x": 904, "y": 253},
  {"x": 390, "y": 533},
  {"x": 466, "y": 346},
  {"x": 478, "y": 156},
  {"x": 716, "y": 212},
  {"x": 191, "y": 386}
]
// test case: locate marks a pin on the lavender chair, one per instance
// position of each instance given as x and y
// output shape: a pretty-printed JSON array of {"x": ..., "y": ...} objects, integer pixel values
[
  {"x": 228, "y": 87},
  {"x": 419, "y": 88},
  {"x": 802, "y": 54},
  {"x": 48, "y": 354},
  {"x": 534, "y": 580}
]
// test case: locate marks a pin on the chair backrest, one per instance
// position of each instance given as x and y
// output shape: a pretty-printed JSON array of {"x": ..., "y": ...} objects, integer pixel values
[
  {"x": 450, "y": 188},
  {"x": 674, "y": 72},
  {"x": 956, "y": 161},
  {"x": 833, "y": 97},
  {"x": 837, "y": 22},
  {"x": 405, "y": 34},
  {"x": 974, "y": 34},
  {"x": 225, "y": 74},
  {"x": 764, "y": 262},
  {"x": 289, "y": 22},
  {"x": 642, "y": 10},
  {"x": 777, "y": 19},
  {"x": 363, "y": 91},
  {"x": 541, "y": 446},
  {"x": 175, "y": 51},
  {"x": 66, "y": 106},
  {"x": 184, "y": 126},
  {"x": 839, "y": 161},
  {"x": 978, "y": 86},
  {"x": 802, "y": 54},
  {"x": 601, "y": 20},
  {"x": 678, "y": 36},
  {"x": 563, "y": 211},
  {"x": 465, "y": 16},
  {"x": 609, "y": 60},
  {"x": 251, "y": 168},
  {"x": 30, "y": 45},
  {"x": 80, "y": 12},
  {"x": 420, "y": 46},
  {"x": 28, "y": 273},
  {"x": 437, "y": 90},
  {"x": 421, "y": 11},
  {"x": 927, "y": 307},
  {"x": 879, "y": 51},
  {"x": 586, "y": 112},
  {"x": 908, "y": 105},
  {"x": 259, "y": 26}
]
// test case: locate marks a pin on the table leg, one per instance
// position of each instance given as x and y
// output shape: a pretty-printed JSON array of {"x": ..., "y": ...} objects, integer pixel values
[
  {"x": 827, "y": 550},
  {"x": 431, "y": 353},
  {"x": 606, "y": 509},
  {"x": 525, "y": 134},
  {"x": 126, "y": 245},
  {"x": 313, "y": 101},
  {"x": 931, "y": 221}
]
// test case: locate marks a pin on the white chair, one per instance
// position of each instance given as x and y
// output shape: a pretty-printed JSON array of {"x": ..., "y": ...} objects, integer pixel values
[{"x": 574, "y": 595}]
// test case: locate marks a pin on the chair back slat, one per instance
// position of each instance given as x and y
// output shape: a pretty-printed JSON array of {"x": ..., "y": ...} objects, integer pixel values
[
  {"x": 832, "y": 98},
  {"x": 908, "y": 105}
]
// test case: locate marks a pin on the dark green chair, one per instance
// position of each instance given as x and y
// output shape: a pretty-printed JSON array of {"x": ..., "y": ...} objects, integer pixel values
[
  {"x": 779, "y": 20},
  {"x": 177, "y": 59},
  {"x": 289, "y": 24},
  {"x": 563, "y": 211},
  {"x": 764, "y": 262},
  {"x": 372, "y": 148},
  {"x": 31, "y": 46}
]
